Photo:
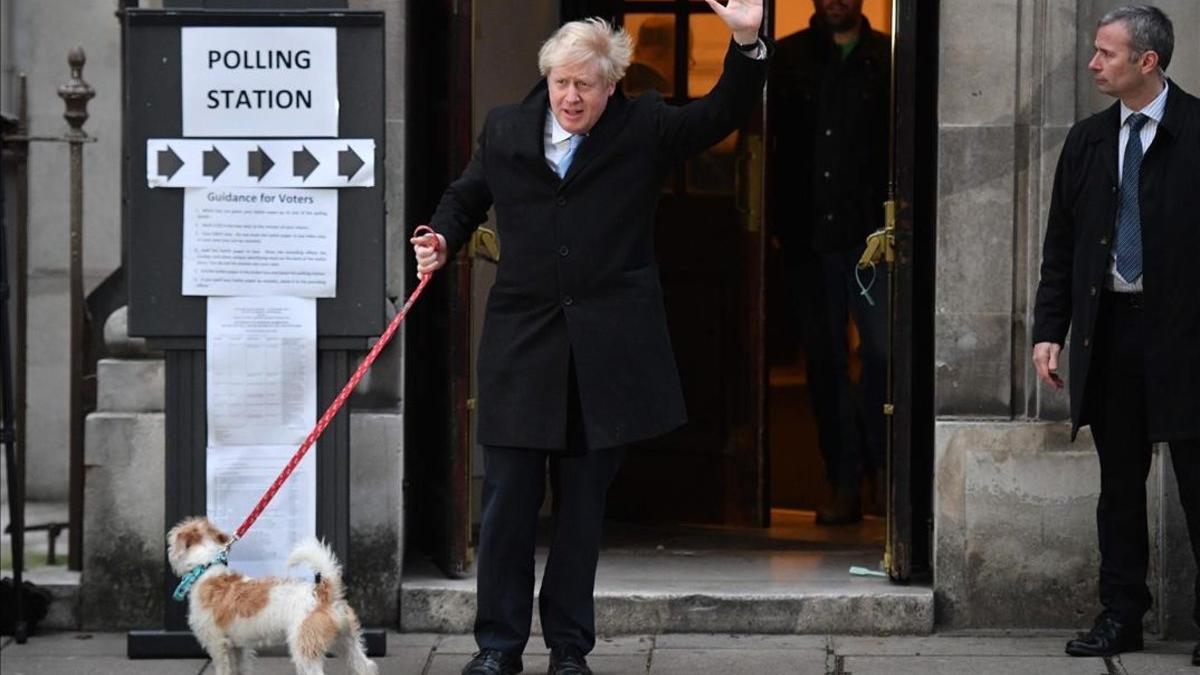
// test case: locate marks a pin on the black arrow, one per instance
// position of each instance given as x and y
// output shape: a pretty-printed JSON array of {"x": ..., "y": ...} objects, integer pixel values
[
  {"x": 214, "y": 163},
  {"x": 259, "y": 163},
  {"x": 303, "y": 163},
  {"x": 349, "y": 163},
  {"x": 168, "y": 163}
]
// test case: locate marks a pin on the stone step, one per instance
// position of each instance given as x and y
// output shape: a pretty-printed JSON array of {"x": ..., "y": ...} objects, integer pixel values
[{"x": 651, "y": 592}]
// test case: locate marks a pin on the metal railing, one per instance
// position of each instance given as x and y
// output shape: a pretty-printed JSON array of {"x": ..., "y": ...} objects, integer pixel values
[{"x": 76, "y": 93}]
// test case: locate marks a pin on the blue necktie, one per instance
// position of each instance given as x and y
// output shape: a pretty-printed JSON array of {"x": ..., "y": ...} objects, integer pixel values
[
  {"x": 565, "y": 162},
  {"x": 1129, "y": 214}
]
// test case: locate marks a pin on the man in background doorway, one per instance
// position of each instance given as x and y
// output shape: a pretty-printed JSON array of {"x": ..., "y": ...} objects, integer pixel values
[
  {"x": 1119, "y": 271},
  {"x": 830, "y": 93},
  {"x": 653, "y": 64}
]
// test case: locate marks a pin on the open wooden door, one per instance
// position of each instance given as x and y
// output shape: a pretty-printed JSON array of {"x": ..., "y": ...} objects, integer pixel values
[
  {"x": 910, "y": 360},
  {"x": 710, "y": 250},
  {"x": 437, "y": 344}
]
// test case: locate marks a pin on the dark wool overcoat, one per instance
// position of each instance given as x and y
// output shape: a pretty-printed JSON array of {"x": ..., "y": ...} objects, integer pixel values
[
  {"x": 577, "y": 278},
  {"x": 1078, "y": 246}
]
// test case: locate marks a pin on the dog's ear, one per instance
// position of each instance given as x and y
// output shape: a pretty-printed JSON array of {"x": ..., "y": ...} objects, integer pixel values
[{"x": 216, "y": 533}]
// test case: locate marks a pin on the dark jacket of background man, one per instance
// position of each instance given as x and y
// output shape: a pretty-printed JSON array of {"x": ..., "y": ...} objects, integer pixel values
[
  {"x": 1076, "y": 253},
  {"x": 577, "y": 281},
  {"x": 830, "y": 124}
]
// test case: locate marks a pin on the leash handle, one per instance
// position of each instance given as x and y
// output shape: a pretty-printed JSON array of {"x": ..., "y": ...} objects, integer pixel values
[{"x": 336, "y": 405}]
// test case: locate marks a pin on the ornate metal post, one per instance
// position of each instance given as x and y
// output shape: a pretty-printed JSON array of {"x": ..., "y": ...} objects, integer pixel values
[{"x": 76, "y": 93}]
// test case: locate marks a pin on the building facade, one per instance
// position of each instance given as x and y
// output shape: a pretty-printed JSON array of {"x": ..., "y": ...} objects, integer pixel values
[{"x": 1012, "y": 532}]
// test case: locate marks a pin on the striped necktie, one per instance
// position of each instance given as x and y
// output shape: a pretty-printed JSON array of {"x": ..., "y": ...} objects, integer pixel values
[{"x": 1129, "y": 214}]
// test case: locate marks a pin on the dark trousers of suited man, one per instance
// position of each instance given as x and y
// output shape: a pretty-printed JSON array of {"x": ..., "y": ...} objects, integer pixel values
[{"x": 1117, "y": 407}]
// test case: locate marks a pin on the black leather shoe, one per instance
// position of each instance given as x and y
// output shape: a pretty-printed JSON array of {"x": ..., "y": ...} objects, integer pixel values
[
  {"x": 844, "y": 509},
  {"x": 493, "y": 662},
  {"x": 1108, "y": 637},
  {"x": 568, "y": 661},
  {"x": 1196, "y": 655}
]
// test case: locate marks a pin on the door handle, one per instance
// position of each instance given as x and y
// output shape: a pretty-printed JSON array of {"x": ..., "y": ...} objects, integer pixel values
[
  {"x": 485, "y": 243},
  {"x": 881, "y": 244}
]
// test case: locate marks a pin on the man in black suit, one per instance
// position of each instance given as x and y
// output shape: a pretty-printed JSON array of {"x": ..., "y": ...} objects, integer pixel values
[
  {"x": 830, "y": 97},
  {"x": 575, "y": 361},
  {"x": 1119, "y": 270}
]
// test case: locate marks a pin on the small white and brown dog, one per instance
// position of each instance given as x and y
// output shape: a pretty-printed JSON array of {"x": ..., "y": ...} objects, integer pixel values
[{"x": 232, "y": 615}]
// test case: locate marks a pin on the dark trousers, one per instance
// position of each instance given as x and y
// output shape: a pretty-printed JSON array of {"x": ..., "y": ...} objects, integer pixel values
[
  {"x": 1116, "y": 402},
  {"x": 514, "y": 483},
  {"x": 850, "y": 422}
]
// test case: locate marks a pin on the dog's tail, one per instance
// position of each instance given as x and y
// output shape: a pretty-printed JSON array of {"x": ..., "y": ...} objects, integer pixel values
[{"x": 321, "y": 560}]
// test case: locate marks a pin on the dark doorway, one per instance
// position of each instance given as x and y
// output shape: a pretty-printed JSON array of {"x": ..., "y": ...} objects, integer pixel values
[{"x": 749, "y": 452}]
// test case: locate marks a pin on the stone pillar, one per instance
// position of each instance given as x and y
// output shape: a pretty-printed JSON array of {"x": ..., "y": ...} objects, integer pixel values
[
  {"x": 124, "y": 536},
  {"x": 1014, "y": 500}
]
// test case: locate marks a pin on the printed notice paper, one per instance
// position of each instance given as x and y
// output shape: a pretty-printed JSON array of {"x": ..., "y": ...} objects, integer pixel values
[
  {"x": 245, "y": 241},
  {"x": 237, "y": 476},
  {"x": 262, "y": 374}
]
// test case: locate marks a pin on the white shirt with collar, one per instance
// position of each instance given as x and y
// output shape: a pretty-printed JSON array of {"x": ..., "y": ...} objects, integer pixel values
[
  {"x": 556, "y": 140},
  {"x": 1154, "y": 111}
]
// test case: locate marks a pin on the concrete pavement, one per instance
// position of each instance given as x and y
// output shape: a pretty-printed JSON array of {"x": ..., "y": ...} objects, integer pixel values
[{"x": 671, "y": 654}]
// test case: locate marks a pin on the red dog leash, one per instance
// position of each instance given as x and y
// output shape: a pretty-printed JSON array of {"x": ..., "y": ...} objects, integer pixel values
[{"x": 337, "y": 404}]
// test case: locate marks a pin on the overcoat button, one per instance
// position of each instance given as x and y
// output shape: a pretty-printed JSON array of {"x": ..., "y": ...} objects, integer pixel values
[
  {"x": 562, "y": 201},
  {"x": 563, "y": 251},
  {"x": 568, "y": 301}
]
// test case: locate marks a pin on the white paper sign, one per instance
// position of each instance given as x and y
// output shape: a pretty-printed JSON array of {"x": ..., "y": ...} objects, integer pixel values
[
  {"x": 262, "y": 374},
  {"x": 301, "y": 162},
  {"x": 242, "y": 81},
  {"x": 236, "y": 479},
  {"x": 239, "y": 241}
]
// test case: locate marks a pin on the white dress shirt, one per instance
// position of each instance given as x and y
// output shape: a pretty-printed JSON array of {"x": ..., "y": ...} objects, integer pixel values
[
  {"x": 1154, "y": 111},
  {"x": 556, "y": 139}
]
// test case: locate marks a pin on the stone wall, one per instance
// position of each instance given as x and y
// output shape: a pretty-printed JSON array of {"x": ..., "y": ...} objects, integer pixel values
[{"x": 37, "y": 35}]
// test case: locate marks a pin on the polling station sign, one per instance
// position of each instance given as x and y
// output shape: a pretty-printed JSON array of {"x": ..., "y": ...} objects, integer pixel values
[{"x": 259, "y": 82}]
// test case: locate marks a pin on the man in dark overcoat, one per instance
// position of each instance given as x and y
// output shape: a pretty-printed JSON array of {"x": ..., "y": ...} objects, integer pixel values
[
  {"x": 575, "y": 361},
  {"x": 1119, "y": 269},
  {"x": 829, "y": 97}
]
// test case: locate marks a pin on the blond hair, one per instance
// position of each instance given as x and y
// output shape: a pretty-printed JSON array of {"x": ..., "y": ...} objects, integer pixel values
[{"x": 588, "y": 41}]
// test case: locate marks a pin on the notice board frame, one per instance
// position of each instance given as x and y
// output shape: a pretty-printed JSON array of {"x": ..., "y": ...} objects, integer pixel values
[
  {"x": 152, "y": 232},
  {"x": 153, "y": 223}
]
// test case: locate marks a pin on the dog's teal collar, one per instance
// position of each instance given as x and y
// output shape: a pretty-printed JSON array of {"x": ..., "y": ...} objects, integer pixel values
[{"x": 185, "y": 584}]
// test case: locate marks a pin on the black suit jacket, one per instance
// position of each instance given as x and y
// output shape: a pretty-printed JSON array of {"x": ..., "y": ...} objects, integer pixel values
[
  {"x": 577, "y": 276},
  {"x": 1078, "y": 246}
]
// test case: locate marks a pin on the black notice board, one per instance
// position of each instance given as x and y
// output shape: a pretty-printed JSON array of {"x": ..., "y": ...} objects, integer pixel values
[{"x": 153, "y": 229}]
